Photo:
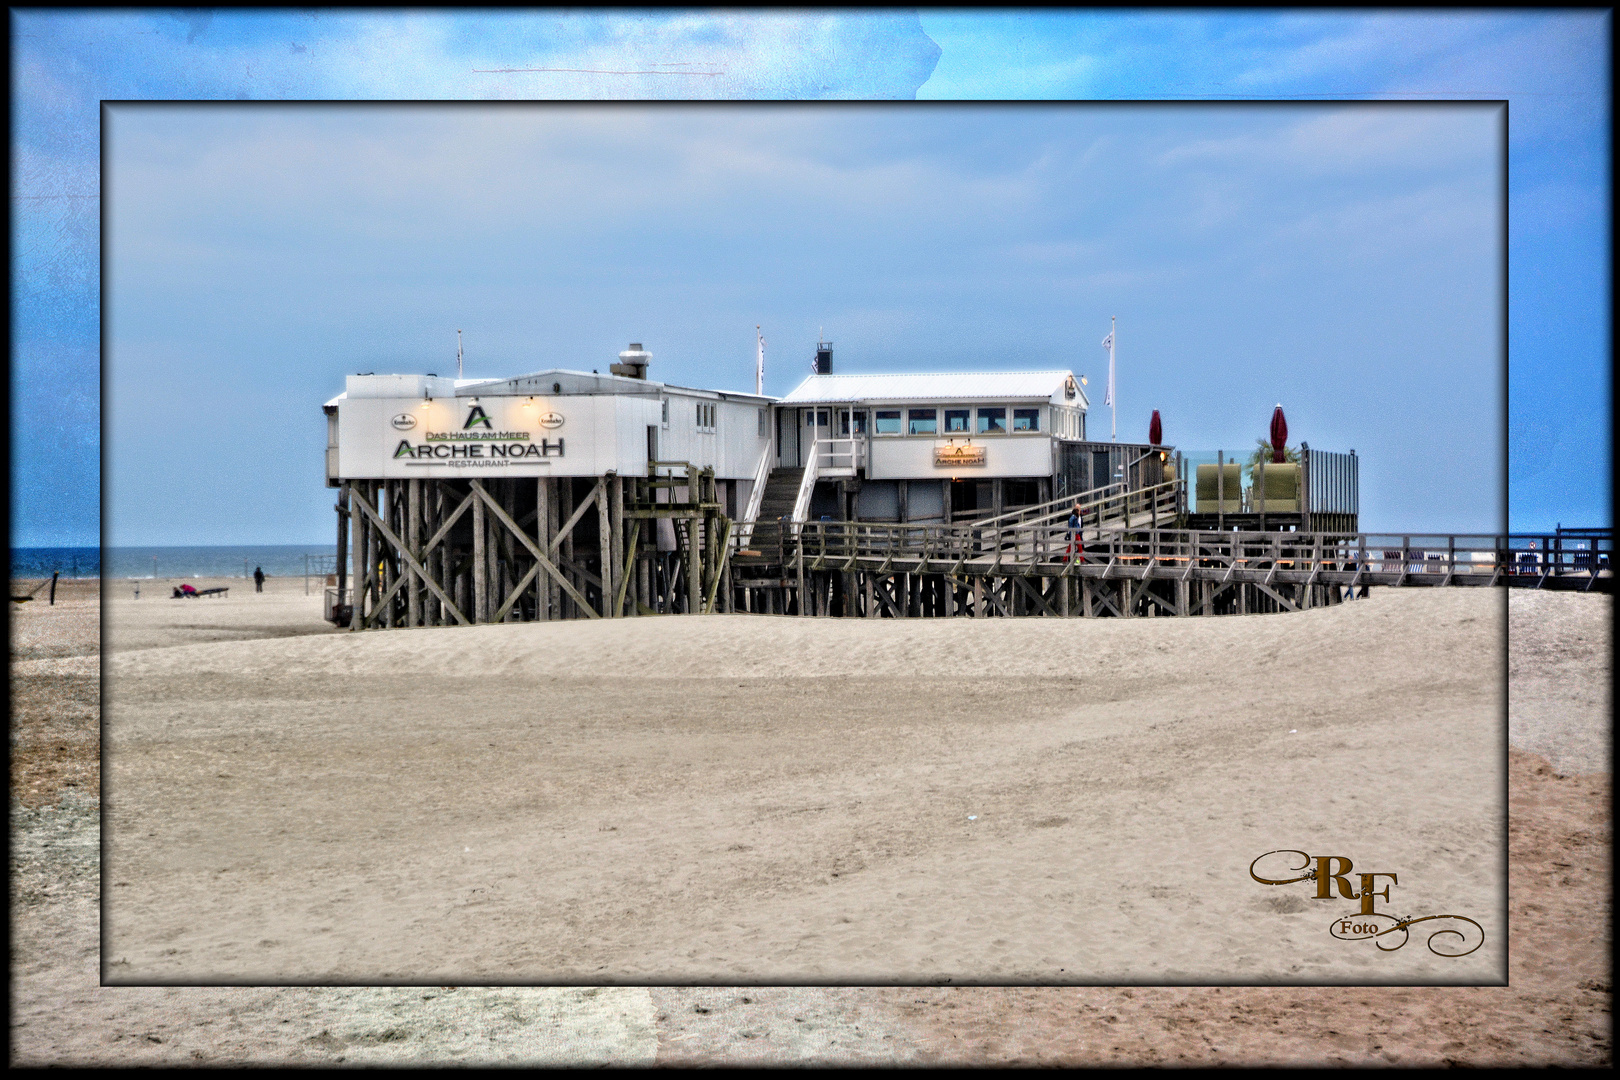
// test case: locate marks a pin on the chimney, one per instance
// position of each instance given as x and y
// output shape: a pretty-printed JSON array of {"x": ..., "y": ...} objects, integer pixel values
[
  {"x": 632, "y": 362},
  {"x": 823, "y": 358}
]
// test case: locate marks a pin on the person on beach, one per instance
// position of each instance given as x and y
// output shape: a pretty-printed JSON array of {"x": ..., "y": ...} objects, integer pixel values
[
  {"x": 1076, "y": 545},
  {"x": 258, "y": 579}
]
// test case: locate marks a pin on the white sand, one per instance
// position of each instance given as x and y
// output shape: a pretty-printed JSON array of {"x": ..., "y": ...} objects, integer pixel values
[{"x": 744, "y": 798}]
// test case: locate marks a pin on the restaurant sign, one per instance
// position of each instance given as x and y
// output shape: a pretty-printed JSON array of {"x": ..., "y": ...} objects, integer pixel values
[
  {"x": 446, "y": 437},
  {"x": 953, "y": 453}
]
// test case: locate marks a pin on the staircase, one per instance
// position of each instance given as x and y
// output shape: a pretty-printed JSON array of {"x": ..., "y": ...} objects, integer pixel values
[{"x": 780, "y": 492}]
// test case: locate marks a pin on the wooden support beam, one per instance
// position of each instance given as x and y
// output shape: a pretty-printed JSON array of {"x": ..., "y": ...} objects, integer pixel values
[
  {"x": 357, "y": 533},
  {"x": 545, "y": 563},
  {"x": 517, "y": 592},
  {"x": 725, "y": 554},
  {"x": 992, "y": 594},
  {"x": 564, "y": 540},
  {"x": 413, "y": 535},
  {"x": 378, "y": 526},
  {"x": 694, "y": 564},
  {"x": 604, "y": 546},
  {"x": 629, "y": 566},
  {"x": 616, "y": 533},
  {"x": 798, "y": 560},
  {"x": 567, "y": 530},
  {"x": 1033, "y": 594},
  {"x": 480, "y": 561},
  {"x": 369, "y": 504},
  {"x": 1288, "y": 605}
]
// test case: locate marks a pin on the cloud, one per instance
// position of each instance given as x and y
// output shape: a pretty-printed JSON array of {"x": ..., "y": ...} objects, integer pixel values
[{"x": 1352, "y": 140}]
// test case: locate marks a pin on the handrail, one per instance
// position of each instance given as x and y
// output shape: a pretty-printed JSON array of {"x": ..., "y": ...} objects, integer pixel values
[
  {"x": 829, "y": 451},
  {"x": 807, "y": 485},
  {"x": 1051, "y": 506},
  {"x": 756, "y": 499}
]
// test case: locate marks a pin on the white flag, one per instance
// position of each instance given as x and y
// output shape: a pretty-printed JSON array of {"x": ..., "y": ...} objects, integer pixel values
[
  {"x": 759, "y": 364},
  {"x": 1108, "y": 343}
]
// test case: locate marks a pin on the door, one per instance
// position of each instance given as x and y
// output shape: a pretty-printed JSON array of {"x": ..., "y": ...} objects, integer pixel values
[
  {"x": 1100, "y": 473},
  {"x": 813, "y": 425}
]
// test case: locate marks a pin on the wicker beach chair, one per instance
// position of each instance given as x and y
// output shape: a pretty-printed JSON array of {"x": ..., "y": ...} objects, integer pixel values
[
  {"x": 1280, "y": 486},
  {"x": 1211, "y": 486}
]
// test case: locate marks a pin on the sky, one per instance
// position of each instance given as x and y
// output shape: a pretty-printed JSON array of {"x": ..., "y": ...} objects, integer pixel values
[{"x": 1341, "y": 257}]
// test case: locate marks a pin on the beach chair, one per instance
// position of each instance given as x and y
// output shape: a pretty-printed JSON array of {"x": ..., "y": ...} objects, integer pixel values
[
  {"x": 1280, "y": 486},
  {"x": 37, "y": 589},
  {"x": 1211, "y": 485}
]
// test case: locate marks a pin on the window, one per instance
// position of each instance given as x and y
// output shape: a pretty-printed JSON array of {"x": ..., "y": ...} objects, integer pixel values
[
  {"x": 993, "y": 421},
  {"x": 888, "y": 422},
  {"x": 665, "y": 414},
  {"x": 705, "y": 416},
  {"x": 1026, "y": 419},
  {"x": 764, "y": 423},
  {"x": 843, "y": 422},
  {"x": 923, "y": 422},
  {"x": 814, "y": 417},
  {"x": 956, "y": 421}
]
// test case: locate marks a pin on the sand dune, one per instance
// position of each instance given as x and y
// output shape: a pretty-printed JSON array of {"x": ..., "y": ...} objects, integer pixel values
[{"x": 751, "y": 799}]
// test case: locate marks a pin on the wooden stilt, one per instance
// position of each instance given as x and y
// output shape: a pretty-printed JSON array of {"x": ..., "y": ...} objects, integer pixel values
[
  {"x": 799, "y": 559},
  {"x": 565, "y": 508},
  {"x": 357, "y": 530},
  {"x": 373, "y": 498},
  {"x": 694, "y": 567},
  {"x": 604, "y": 548},
  {"x": 413, "y": 537},
  {"x": 480, "y": 582},
  {"x": 616, "y": 534},
  {"x": 342, "y": 540}
]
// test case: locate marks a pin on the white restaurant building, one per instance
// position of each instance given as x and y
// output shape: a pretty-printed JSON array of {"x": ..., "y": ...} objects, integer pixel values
[{"x": 897, "y": 447}]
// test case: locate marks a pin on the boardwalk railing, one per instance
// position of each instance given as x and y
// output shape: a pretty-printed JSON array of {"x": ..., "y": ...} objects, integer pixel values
[
  {"x": 827, "y": 458},
  {"x": 1045, "y": 550}
]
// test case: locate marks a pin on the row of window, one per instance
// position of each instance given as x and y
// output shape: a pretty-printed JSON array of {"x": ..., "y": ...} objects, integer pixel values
[
  {"x": 707, "y": 415},
  {"x": 985, "y": 420}
]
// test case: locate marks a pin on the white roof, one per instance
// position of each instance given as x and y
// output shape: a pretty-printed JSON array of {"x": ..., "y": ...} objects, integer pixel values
[
  {"x": 941, "y": 386},
  {"x": 570, "y": 382}
]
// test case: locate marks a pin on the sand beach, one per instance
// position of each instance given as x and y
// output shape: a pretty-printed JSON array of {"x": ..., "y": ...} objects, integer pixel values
[{"x": 744, "y": 800}]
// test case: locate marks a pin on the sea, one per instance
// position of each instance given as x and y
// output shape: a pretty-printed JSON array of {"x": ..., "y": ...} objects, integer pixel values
[{"x": 277, "y": 560}]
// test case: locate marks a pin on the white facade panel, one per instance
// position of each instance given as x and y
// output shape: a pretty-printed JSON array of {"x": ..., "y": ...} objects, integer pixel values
[
  {"x": 415, "y": 436},
  {"x": 910, "y": 458}
]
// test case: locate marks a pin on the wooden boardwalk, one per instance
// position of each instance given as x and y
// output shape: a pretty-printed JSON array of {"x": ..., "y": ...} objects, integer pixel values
[
  {"x": 1130, "y": 559},
  {"x": 426, "y": 553}
]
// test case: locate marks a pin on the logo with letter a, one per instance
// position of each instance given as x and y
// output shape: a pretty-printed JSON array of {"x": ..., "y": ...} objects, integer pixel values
[{"x": 476, "y": 416}]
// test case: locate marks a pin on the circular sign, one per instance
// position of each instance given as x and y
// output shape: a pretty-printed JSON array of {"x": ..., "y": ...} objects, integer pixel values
[
  {"x": 551, "y": 420},
  {"x": 404, "y": 421}
]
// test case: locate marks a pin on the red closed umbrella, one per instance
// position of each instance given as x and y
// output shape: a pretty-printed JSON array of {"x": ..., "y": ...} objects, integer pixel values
[
  {"x": 1155, "y": 429},
  {"x": 1279, "y": 435}
]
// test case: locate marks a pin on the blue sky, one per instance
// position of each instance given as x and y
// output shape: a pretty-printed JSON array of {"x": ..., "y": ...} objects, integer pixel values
[{"x": 1340, "y": 258}]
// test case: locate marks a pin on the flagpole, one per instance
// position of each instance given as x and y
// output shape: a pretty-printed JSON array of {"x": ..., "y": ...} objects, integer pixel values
[
  {"x": 759, "y": 363},
  {"x": 1113, "y": 401}
]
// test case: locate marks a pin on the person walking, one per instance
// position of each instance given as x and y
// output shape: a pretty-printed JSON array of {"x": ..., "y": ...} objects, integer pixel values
[
  {"x": 258, "y": 579},
  {"x": 1076, "y": 545}
]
